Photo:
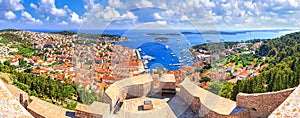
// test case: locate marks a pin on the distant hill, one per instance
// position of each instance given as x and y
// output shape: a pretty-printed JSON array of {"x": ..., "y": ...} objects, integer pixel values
[
  {"x": 64, "y": 33},
  {"x": 9, "y": 30},
  {"x": 232, "y": 32}
]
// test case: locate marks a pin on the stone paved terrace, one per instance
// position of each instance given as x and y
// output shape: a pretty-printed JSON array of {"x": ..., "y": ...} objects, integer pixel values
[
  {"x": 290, "y": 108},
  {"x": 10, "y": 107},
  {"x": 135, "y": 104},
  {"x": 130, "y": 109}
]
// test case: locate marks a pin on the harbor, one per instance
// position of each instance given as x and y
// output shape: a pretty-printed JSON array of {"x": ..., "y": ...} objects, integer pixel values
[{"x": 156, "y": 55}]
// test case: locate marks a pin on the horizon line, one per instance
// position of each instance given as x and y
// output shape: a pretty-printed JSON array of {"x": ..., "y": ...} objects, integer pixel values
[{"x": 242, "y": 29}]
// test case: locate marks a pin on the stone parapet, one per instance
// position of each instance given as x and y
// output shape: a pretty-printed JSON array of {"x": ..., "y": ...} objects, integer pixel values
[{"x": 262, "y": 104}]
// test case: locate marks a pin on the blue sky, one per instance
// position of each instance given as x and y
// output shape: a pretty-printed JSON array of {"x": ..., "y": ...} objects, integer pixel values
[{"x": 178, "y": 14}]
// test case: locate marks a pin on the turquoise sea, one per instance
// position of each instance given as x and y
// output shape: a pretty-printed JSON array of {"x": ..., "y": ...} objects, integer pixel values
[{"x": 179, "y": 44}]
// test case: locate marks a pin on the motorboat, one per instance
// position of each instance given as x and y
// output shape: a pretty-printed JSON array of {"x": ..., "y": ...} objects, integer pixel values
[
  {"x": 167, "y": 47},
  {"x": 183, "y": 50},
  {"x": 176, "y": 64},
  {"x": 147, "y": 57}
]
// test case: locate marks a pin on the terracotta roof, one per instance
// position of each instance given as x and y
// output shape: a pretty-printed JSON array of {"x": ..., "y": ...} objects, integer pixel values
[
  {"x": 245, "y": 73},
  {"x": 230, "y": 64},
  {"x": 232, "y": 80},
  {"x": 19, "y": 56},
  {"x": 133, "y": 63},
  {"x": 36, "y": 71},
  {"x": 36, "y": 58}
]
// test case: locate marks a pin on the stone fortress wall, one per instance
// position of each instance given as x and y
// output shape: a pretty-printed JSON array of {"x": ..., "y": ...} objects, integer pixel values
[
  {"x": 137, "y": 86},
  {"x": 208, "y": 105},
  {"x": 262, "y": 104},
  {"x": 204, "y": 103}
]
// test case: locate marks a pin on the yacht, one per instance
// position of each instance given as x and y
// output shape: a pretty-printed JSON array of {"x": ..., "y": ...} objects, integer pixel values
[
  {"x": 145, "y": 64},
  {"x": 180, "y": 60},
  {"x": 183, "y": 50},
  {"x": 177, "y": 64},
  {"x": 147, "y": 57},
  {"x": 167, "y": 47}
]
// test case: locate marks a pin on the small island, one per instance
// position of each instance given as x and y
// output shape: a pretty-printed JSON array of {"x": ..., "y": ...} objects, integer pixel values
[
  {"x": 161, "y": 39},
  {"x": 161, "y": 34}
]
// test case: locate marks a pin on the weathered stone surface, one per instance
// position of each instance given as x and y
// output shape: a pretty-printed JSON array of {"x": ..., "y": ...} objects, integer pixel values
[
  {"x": 137, "y": 86},
  {"x": 209, "y": 105},
  {"x": 290, "y": 108},
  {"x": 262, "y": 104}
]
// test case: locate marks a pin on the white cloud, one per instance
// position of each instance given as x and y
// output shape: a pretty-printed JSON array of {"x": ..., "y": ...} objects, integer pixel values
[
  {"x": 184, "y": 18},
  {"x": 110, "y": 13},
  {"x": 58, "y": 12},
  {"x": 63, "y": 23},
  {"x": 265, "y": 18},
  {"x": 47, "y": 18},
  {"x": 33, "y": 6},
  {"x": 281, "y": 20},
  {"x": 10, "y": 15},
  {"x": 228, "y": 13},
  {"x": 249, "y": 20},
  {"x": 143, "y": 3},
  {"x": 115, "y": 3},
  {"x": 26, "y": 16},
  {"x": 153, "y": 25},
  {"x": 75, "y": 18},
  {"x": 163, "y": 5},
  {"x": 11, "y": 5},
  {"x": 157, "y": 16},
  {"x": 128, "y": 16},
  {"x": 226, "y": 6},
  {"x": 161, "y": 22},
  {"x": 89, "y": 4},
  {"x": 47, "y": 7},
  {"x": 294, "y": 3},
  {"x": 207, "y": 3},
  {"x": 250, "y": 5}
]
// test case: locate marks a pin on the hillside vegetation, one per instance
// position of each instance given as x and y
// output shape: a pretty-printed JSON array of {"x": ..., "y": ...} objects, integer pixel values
[{"x": 283, "y": 56}]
